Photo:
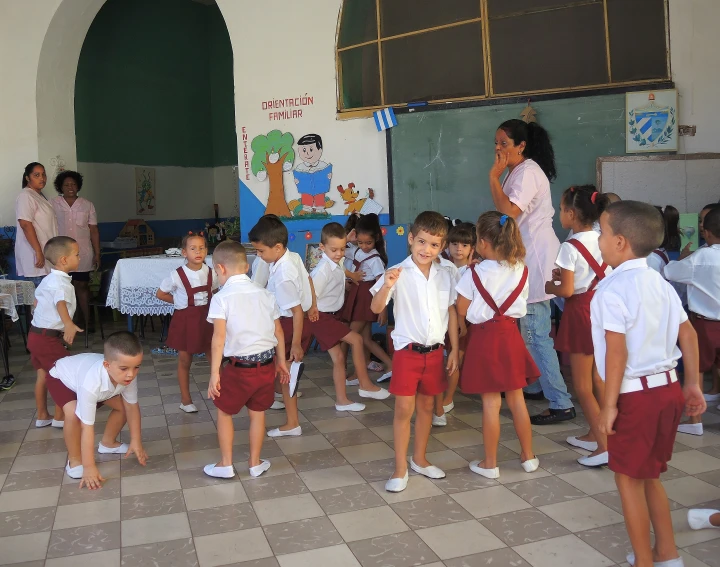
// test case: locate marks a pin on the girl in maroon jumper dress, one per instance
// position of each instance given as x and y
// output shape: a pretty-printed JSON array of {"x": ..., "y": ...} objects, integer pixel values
[
  {"x": 190, "y": 333},
  {"x": 369, "y": 257},
  {"x": 497, "y": 359},
  {"x": 580, "y": 268}
]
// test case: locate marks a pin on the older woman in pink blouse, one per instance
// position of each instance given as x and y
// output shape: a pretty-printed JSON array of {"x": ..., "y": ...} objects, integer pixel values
[{"x": 77, "y": 219}]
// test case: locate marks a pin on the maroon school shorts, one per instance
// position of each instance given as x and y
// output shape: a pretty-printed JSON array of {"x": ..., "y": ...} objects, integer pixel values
[
  {"x": 251, "y": 387},
  {"x": 307, "y": 335},
  {"x": 45, "y": 351},
  {"x": 329, "y": 330},
  {"x": 415, "y": 373},
  {"x": 645, "y": 431},
  {"x": 60, "y": 393},
  {"x": 708, "y": 333}
]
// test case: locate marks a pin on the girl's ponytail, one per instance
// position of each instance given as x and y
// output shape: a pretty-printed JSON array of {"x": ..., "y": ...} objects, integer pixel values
[{"x": 502, "y": 232}]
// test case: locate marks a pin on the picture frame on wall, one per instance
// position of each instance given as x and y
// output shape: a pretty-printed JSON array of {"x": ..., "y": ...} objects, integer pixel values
[
  {"x": 651, "y": 123},
  {"x": 312, "y": 255},
  {"x": 145, "y": 191}
]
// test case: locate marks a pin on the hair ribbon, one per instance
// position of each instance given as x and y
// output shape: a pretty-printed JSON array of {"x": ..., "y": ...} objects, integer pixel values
[
  {"x": 503, "y": 220},
  {"x": 593, "y": 197}
]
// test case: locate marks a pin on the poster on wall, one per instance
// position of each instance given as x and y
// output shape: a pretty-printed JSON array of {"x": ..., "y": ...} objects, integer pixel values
[
  {"x": 651, "y": 121},
  {"x": 145, "y": 190}
]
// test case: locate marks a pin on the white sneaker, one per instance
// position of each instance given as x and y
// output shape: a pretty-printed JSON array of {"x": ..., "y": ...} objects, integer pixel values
[
  {"x": 397, "y": 484},
  {"x": 700, "y": 519},
  {"x": 356, "y": 406},
  {"x": 278, "y": 396},
  {"x": 190, "y": 408},
  {"x": 277, "y": 432},
  {"x": 431, "y": 471},
  {"x": 381, "y": 394},
  {"x": 580, "y": 444},
  {"x": 385, "y": 377},
  {"x": 597, "y": 461},
  {"x": 119, "y": 450},
  {"x": 259, "y": 469},
  {"x": 531, "y": 465},
  {"x": 630, "y": 557},
  {"x": 296, "y": 370},
  {"x": 449, "y": 407},
  {"x": 219, "y": 472},
  {"x": 691, "y": 428},
  {"x": 57, "y": 424},
  {"x": 277, "y": 405},
  {"x": 43, "y": 422},
  {"x": 74, "y": 472},
  {"x": 712, "y": 397},
  {"x": 439, "y": 420},
  {"x": 355, "y": 382},
  {"x": 487, "y": 473}
]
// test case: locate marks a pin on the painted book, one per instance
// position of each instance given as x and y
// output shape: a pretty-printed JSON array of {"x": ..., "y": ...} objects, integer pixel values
[{"x": 313, "y": 183}]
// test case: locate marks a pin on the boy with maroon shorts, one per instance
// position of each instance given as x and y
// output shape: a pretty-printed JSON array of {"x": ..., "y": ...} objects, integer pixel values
[
  {"x": 328, "y": 279},
  {"x": 52, "y": 321},
  {"x": 637, "y": 322},
  {"x": 246, "y": 333},
  {"x": 424, "y": 295},
  {"x": 291, "y": 285}
]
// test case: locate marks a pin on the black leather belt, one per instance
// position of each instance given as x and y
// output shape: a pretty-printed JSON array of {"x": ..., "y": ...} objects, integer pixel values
[
  {"x": 240, "y": 363},
  {"x": 422, "y": 349},
  {"x": 45, "y": 332}
]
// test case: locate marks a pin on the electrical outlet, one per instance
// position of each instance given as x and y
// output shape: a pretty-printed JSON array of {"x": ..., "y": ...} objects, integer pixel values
[{"x": 687, "y": 130}]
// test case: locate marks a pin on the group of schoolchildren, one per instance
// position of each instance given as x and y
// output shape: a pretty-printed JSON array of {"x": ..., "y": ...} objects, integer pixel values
[{"x": 456, "y": 301}]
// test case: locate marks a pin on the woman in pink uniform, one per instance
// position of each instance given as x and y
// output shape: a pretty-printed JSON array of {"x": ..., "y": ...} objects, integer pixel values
[{"x": 77, "y": 219}]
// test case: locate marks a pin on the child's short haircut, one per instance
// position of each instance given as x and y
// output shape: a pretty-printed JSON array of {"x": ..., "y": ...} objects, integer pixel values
[
  {"x": 230, "y": 254},
  {"x": 463, "y": 233},
  {"x": 430, "y": 222},
  {"x": 190, "y": 235},
  {"x": 269, "y": 231},
  {"x": 710, "y": 207},
  {"x": 122, "y": 343},
  {"x": 332, "y": 230},
  {"x": 711, "y": 223},
  {"x": 613, "y": 197},
  {"x": 640, "y": 223},
  {"x": 309, "y": 139},
  {"x": 57, "y": 247}
]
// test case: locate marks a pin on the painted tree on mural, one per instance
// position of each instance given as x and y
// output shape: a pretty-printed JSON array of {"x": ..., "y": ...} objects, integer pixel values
[{"x": 272, "y": 156}]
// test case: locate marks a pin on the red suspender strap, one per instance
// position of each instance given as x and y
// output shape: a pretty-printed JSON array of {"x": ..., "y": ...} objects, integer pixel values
[
  {"x": 663, "y": 256},
  {"x": 483, "y": 292},
  {"x": 191, "y": 291},
  {"x": 508, "y": 302},
  {"x": 357, "y": 264},
  {"x": 516, "y": 293},
  {"x": 597, "y": 268},
  {"x": 209, "y": 284}
]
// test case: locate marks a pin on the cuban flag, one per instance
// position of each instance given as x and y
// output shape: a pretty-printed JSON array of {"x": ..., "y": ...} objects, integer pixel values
[{"x": 385, "y": 118}]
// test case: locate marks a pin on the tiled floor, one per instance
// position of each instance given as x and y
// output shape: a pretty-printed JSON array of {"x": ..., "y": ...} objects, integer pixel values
[{"x": 322, "y": 503}]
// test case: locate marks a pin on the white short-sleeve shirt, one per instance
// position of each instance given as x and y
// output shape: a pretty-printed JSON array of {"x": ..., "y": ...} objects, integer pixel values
[
  {"x": 500, "y": 280},
  {"x": 56, "y": 286},
  {"x": 173, "y": 285},
  {"x": 250, "y": 312},
  {"x": 86, "y": 375},
  {"x": 75, "y": 222},
  {"x": 33, "y": 207},
  {"x": 289, "y": 282},
  {"x": 638, "y": 303},
  {"x": 570, "y": 259},
  {"x": 260, "y": 271},
  {"x": 421, "y": 305},
  {"x": 329, "y": 282},
  {"x": 373, "y": 268},
  {"x": 450, "y": 266},
  {"x": 701, "y": 272},
  {"x": 528, "y": 187}
]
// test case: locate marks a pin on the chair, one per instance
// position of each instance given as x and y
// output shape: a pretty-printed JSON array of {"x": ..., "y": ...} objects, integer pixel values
[{"x": 101, "y": 300}]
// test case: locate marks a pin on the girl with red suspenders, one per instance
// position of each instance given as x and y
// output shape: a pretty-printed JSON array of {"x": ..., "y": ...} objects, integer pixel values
[
  {"x": 497, "y": 359},
  {"x": 189, "y": 288},
  {"x": 370, "y": 258},
  {"x": 580, "y": 268}
]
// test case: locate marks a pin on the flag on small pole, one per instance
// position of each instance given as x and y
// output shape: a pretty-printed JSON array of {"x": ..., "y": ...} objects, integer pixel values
[{"x": 385, "y": 118}]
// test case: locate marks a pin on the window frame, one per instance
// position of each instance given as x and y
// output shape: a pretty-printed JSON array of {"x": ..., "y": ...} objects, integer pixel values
[{"x": 490, "y": 96}]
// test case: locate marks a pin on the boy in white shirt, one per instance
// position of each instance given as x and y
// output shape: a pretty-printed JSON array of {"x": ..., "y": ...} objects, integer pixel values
[
  {"x": 248, "y": 333},
  {"x": 291, "y": 285},
  {"x": 328, "y": 279},
  {"x": 701, "y": 272},
  {"x": 80, "y": 384},
  {"x": 637, "y": 321},
  {"x": 52, "y": 321},
  {"x": 424, "y": 295}
]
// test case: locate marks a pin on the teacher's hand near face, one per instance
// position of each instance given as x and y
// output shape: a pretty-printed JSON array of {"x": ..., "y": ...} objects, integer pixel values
[{"x": 499, "y": 166}]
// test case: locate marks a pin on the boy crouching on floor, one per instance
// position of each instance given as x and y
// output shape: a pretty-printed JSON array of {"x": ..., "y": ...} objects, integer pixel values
[
  {"x": 82, "y": 383},
  {"x": 246, "y": 331}
]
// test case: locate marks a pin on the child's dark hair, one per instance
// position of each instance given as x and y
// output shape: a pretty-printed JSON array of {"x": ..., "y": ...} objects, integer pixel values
[
  {"x": 671, "y": 240},
  {"x": 229, "y": 253},
  {"x": 370, "y": 224},
  {"x": 351, "y": 223},
  {"x": 711, "y": 223},
  {"x": 57, "y": 247},
  {"x": 63, "y": 175},
  {"x": 462, "y": 233},
  {"x": 430, "y": 222},
  {"x": 28, "y": 171},
  {"x": 587, "y": 203},
  {"x": 639, "y": 223},
  {"x": 710, "y": 207},
  {"x": 192, "y": 234},
  {"x": 537, "y": 143},
  {"x": 122, "y": 343},
  {"x": 503, "y": 234},
  {"x": 332, "y": 230},
  {"x": 269, "y": 231}
]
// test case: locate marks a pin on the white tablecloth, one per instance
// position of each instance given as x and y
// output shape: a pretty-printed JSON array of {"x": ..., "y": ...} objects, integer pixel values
[
  {"x": 22, "y": 292},
  {"x": 8, "y": 305},
  {"x": 136, "y": 280}
]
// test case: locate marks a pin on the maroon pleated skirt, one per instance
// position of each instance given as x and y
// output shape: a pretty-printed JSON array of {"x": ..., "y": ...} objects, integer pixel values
[
  {"x": 575, "y": 333},
  {"x": 190, "y": 331},
  {"x": 357, "y": 303}
]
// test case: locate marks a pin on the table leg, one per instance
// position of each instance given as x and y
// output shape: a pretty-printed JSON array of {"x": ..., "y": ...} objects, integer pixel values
[
  {"x": 5, "y": 345},
  {"x": 130, "y": 323}
]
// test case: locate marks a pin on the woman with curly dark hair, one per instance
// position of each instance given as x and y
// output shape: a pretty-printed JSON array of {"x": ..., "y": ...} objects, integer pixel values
[{"x": 77, "y": 218}]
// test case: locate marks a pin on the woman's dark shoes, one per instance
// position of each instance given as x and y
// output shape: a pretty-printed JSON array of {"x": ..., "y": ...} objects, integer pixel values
[{"x": 550, "y": 416}]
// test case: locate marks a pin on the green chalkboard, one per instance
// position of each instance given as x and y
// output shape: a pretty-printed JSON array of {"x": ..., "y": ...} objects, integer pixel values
[{"x": 441, "y": 158}]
